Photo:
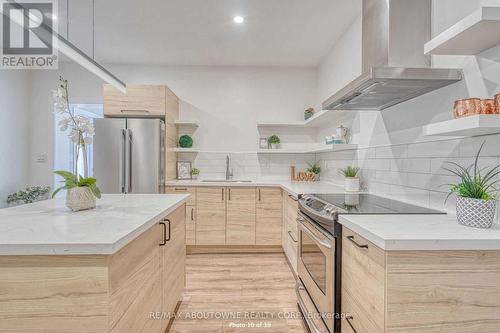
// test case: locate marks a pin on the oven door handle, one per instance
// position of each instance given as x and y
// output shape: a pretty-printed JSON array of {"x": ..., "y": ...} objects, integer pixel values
[
  {"x": 302, "y": 306},
  {"x": 323, "y": 242}
]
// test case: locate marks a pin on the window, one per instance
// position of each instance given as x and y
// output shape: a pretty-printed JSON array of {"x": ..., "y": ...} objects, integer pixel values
[{"x": 64, "y": 149}]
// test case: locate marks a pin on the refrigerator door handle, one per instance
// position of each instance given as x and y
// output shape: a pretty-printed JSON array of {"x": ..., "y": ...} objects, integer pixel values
[
  {"x": 129, "y": 161},
  {"x": 123, "y": 170}
]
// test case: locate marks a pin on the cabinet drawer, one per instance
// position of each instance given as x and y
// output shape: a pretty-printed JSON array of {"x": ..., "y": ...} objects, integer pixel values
[
  {"x": 363, "y": 282},
  {"x": 139, "y": 100},
  {"x": 183, "y": 189}
]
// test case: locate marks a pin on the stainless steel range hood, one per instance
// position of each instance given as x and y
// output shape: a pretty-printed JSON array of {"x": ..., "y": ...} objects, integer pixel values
[{"x": 395, "y": 68}]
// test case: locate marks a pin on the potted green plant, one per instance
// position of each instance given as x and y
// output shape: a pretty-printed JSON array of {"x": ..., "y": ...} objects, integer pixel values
[
  {"x": 308, "y": 113},
  {"x": 194, "y": 173},
  {"x": 315, "y": 169},
  {"x": 274, "y": 141},
  {"x": 185, "y": 141},
  {"x": 351, "y": 175},
  {"x": 81, "y": 193},
  {"x": 28, "y": 195},
  {"x": 476, "y": 202}
]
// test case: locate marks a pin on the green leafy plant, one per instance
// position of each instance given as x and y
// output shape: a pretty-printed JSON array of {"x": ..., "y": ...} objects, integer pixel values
[
  {"x": 71, "y": 181},
  {"x": 195, "y": 172},
  {"x": 273, "y": 139},
  {"x": 475, "y": 183},
  {"x": 350, "y": 172},
  {"x": 308, "y": 113},
  {"x": 186, "y": 141},
  {"x": 314, "y": 168},
  {"x": 28, "y": 195}
]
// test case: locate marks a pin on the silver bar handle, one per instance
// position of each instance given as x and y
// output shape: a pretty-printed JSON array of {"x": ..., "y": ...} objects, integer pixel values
[
  {"x": 123, "y": 169},
  {"x": 132, "y": 110},
  {"x": 323, "y": 242},
  {"x": 130, "y": 161},
  {"x": 310, "y": 323}
]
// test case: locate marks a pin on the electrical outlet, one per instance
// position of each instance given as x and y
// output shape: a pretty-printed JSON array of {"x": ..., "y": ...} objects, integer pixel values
[{"x": 41, "y": 158}]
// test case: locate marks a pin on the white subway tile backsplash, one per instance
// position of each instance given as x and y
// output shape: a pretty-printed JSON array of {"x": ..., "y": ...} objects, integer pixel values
[
  {"x": 434, "y": 149},
  {"x": 391, "y": 152}
]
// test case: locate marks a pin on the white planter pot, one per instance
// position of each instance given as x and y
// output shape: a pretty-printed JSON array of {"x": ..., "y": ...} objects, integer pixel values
[
  {"x": 476, "y": 213},
  {"x": 274, "y": 145},
  {"x": 80, "y": 198},
  {"x": 352, "y": 184}
]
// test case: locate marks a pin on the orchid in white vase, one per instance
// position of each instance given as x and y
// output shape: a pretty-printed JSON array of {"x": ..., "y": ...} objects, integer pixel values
[
  {"x": 81, "y": 191},
  {"x": 81, "y": 129}
]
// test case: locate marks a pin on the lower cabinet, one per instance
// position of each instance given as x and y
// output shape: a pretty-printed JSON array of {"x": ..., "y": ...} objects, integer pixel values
[
  {"x": 269, "y": 218},
  {"x": 290, "y": 235},
  {"x": 127, "y": 291},
  {"x": 240, "y": 214},
  {"x": 211, "y": 216},
  {"x": 418, "y": 291}
]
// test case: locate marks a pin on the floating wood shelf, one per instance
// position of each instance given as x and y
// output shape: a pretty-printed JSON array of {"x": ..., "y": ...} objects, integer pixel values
[
  {"x": 467, "y": 126},
  {"x": 475, "y": 33}
]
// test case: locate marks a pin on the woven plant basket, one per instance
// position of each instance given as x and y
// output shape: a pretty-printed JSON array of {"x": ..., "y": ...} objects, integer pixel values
[
  {"x": 80, "y": 198},
  {"x": 475, "y": 212}
]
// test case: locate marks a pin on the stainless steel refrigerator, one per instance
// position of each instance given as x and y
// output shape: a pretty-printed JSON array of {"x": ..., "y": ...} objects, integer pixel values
[{"x": 129, "y": 155}]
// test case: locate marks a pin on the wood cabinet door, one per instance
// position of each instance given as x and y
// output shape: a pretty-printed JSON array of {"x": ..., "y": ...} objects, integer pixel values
[
  {"x": 211, "y": 216},
  {"x": 240, "y": 226},
  {"x": 190, "y": 225},
  {"x": 268, "y": 216},
  {"x": 174, "y": 259},
  {"x": 139, "y": 100}
]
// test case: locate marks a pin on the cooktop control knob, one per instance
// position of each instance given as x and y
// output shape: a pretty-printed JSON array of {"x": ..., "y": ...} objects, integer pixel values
[{"x": 329, "y": 209}]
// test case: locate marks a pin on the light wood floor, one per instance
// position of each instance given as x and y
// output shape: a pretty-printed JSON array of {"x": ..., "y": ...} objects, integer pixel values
[{"x": 225, "y": 284}]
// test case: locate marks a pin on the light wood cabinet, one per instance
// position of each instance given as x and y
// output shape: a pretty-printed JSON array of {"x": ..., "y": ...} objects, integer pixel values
[
  {"x": 240, "y": 225},
  {"x": 418, "y": 291},
  {"x": 211, "y": 216},
  {"x": 269, "y": 218},
  {"x": 190, "y": 210},
  {"x": 97, "y": 293},
  {"x": 183, "y": 190},
  {"x": 173, "y": 255},
  {"x": 139, "y": 100},
  {"x": 290, "y": 234}
]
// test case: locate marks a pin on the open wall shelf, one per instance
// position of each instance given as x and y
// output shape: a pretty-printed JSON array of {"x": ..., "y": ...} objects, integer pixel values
[
  {"x": 475, "y": 33},
  {"x": 186, "y": 150},
  {"x": 186, "y": 123},
  {"x": 320, "y": 118},
  {"x": 313, "y": 150},
  {"x": 467, "y": 126}
]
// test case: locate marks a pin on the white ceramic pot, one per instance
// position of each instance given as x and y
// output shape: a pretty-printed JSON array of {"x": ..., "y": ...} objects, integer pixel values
[
  {"x": 352, "y": 184},
  {"x": 80, "y": 198},
  {"x": 194, "y": 177},
  {"x": 476, "y": 213},
  {"x": 274, "y": 145}
]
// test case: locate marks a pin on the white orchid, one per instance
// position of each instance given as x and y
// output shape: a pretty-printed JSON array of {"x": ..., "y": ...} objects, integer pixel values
[{"x": 81, "y": 129}]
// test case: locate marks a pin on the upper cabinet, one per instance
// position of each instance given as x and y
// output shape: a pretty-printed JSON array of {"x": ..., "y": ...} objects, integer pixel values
[{"x": 139, "y": 101}]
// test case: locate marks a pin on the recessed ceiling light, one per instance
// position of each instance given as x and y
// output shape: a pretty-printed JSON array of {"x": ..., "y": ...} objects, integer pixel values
[{"x": 238, "y": 19}]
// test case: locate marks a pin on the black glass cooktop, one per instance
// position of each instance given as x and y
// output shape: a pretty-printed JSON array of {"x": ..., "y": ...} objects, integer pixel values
[{"x": 370, "y": 204}]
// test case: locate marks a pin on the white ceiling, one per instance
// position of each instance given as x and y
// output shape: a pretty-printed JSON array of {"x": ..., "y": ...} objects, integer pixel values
[{"x": 202, "y": 32}]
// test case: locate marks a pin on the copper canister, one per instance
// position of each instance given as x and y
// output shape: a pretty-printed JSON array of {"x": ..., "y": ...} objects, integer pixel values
[
  {"x": 497, "y": 103},
  {"x": 466, "y": 107},
  {"x": 488, "y": 106}
]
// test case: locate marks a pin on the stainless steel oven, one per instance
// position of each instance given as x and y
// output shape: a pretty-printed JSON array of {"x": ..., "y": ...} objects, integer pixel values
[{"x": 316, "y": 270}]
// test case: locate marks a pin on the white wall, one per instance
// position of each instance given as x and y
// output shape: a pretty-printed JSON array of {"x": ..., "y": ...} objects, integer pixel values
[
  {"x": 14, "y": 132},
  {"x": 395, "y": 158},
  {"x": 227, "y": 101}
]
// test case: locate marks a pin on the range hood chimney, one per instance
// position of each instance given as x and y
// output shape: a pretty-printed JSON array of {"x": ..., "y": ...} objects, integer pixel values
[{"x": 394, "y": 66}]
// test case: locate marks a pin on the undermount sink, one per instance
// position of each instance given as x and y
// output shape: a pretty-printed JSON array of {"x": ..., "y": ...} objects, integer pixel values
[{"x": 225, "y": 181}]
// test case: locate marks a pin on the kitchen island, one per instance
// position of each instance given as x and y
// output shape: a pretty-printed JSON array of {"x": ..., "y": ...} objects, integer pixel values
[{"x": 111, "y": 269}]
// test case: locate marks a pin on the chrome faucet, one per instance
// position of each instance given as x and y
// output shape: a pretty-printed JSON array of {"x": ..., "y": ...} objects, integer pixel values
[{"x": 229, "y": 173}]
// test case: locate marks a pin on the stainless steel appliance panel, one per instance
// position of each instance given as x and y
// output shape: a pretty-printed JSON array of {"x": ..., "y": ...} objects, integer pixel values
[
  {"x": 109, "y": 154},
  {"x": 144, "y": 153}
]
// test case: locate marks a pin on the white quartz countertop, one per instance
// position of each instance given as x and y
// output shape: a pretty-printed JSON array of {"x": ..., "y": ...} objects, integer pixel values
[
  {"x": 421, "y": 232},
  {"x": 49, "y": 228},
  {"x": 294, "y": 188}
]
